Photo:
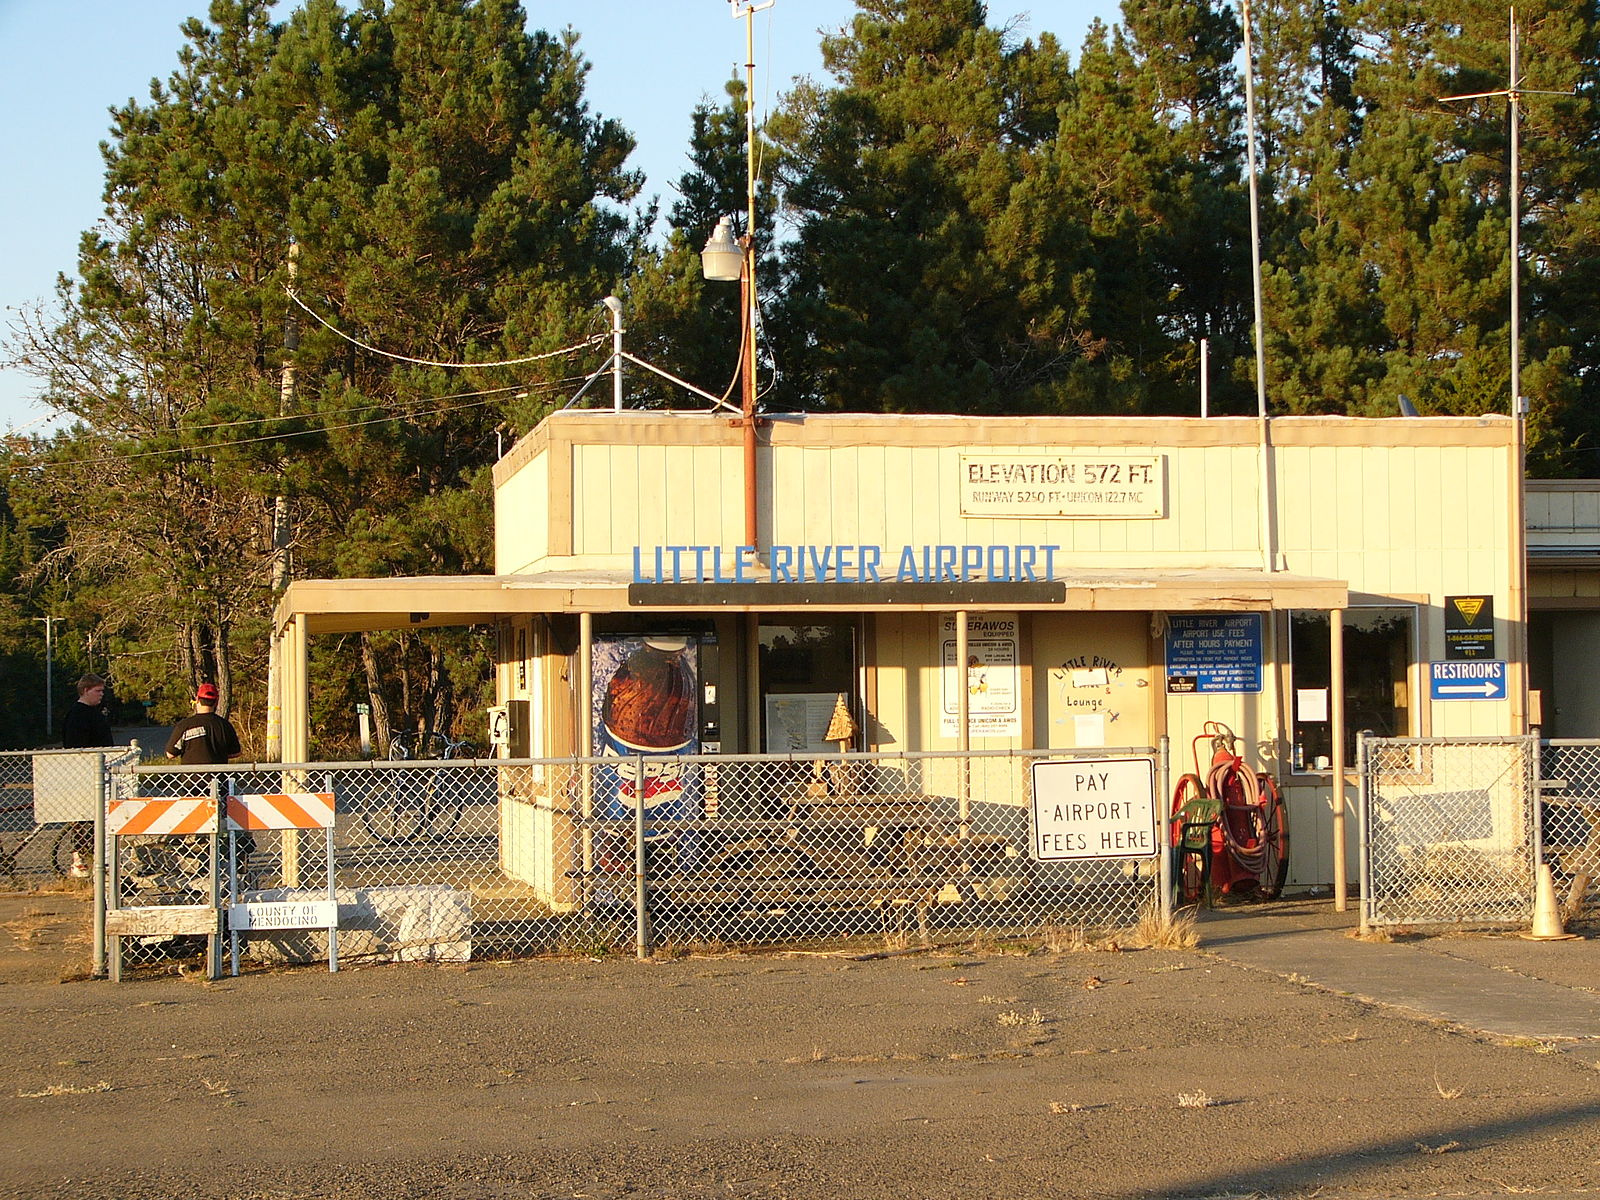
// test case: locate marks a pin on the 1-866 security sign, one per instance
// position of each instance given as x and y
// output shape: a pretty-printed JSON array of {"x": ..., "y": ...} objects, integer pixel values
[{"x": 1094, "y": 808}]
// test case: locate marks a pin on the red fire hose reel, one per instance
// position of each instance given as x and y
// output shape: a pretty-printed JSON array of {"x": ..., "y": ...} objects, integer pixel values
[{"x": 1230, "y": 832}]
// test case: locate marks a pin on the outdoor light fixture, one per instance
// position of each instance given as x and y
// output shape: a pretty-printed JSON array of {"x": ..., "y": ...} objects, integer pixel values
[{"x": 722, "y": 259}]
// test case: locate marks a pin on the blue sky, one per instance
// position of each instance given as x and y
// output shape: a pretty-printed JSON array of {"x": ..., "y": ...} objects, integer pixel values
[{"x": 68, "y": 61}]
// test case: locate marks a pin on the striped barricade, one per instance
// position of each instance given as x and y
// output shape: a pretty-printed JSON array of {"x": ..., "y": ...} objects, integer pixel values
[
  {"x": 281, "y": 810},
  {"x": 285, "y": 811},
  {"x": 163, "y": 816},
  {"x": 174, "y": 815}
]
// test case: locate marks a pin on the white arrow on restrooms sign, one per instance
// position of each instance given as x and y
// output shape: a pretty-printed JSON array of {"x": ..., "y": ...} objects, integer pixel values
[{"x": 1468, "y": 689}]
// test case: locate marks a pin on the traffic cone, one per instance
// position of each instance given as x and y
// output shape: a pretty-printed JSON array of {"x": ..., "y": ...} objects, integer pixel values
[{"x": 1546, "y": 916}]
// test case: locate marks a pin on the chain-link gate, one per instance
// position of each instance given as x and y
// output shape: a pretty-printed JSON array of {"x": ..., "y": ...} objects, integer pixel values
[
  {"x": 450, "y": 859},
  {"x": 1569, "y": 824},
  {"x": 47, "y": 809},
  {"x": 1449, "y": 832}
]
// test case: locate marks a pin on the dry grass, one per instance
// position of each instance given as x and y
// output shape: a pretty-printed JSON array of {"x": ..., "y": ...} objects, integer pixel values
[
  {"x": 216, "y": 1087},
  {"x": 1196, "y": 1099},
  {"x": 1011, "y": 1017},
  {"x": 28, "y": 926},
  {"x": 1444, "y": 1092},
  {"x": 67, "y": 1089},
  {"x": 1441, "y": 1148},
  {"x": 1156, "y": 931}
]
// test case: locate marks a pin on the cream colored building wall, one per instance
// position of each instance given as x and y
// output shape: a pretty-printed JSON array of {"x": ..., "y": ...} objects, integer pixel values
[
  {"x": 1415, "y": 524},
  {"x": 521, "y": 517},
  {"x": 1405, "y": 511}
]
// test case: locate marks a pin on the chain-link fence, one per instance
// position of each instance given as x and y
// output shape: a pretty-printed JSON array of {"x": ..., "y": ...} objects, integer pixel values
[
  {"x": 1448, "y": 830},
  {"x": 1569, "y": 826},
  {"x": 47, "y": 809},
  {"x": 445, "y": 860}
]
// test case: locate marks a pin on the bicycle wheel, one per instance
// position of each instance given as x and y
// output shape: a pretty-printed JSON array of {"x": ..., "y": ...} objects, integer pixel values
[
  {"x": 392, "y": 811},
  {"x": 443, "y": 802},
  {"x": 63, "y": 850}
]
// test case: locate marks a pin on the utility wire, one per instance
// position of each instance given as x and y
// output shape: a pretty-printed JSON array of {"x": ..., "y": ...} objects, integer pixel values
[
  {"x": 430, "y": 362},
  {"x": 283, "y": 437}
]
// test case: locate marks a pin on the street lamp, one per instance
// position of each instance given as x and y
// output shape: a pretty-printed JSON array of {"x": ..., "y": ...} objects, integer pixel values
[
  {"x": 722, "y": 261},
  {"x": 725, "y": 260}
]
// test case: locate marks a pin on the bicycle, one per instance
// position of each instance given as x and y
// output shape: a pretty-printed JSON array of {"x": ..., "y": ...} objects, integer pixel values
[
  {"x": 61, "y": 851},
  {"x": 409, "y": 806}
]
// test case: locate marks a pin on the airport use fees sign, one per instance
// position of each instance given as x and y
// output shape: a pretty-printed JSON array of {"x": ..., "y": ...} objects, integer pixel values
[{"x": 1094, "y": 808}]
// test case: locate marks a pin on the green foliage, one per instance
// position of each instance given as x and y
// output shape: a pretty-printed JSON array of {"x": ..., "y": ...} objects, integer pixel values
[{"x": 958, "y": 220}]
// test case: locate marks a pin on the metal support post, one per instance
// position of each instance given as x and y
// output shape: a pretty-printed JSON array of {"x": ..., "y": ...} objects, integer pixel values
[{"x": 641, "y": 882}]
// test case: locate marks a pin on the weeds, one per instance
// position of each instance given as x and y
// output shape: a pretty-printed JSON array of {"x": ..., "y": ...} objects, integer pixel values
[
  {"x": 1012, "y": 1017},
  {"x": 1196, "y": 1099},
  {"x": 1157, "y": 931},
  {"x": 1444, "y": 1092},
  {"x": 67, "y": 1089}
]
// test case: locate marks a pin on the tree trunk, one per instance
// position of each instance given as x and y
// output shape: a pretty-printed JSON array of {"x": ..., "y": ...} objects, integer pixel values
[{"x": 376, "y": 695}]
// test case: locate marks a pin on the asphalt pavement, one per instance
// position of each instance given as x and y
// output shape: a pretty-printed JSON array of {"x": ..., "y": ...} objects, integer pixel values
[{"x": 1494, "y": 982}]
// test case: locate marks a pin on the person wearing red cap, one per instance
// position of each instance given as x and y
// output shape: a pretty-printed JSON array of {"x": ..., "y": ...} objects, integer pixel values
[{"x": 205, "y": 737}]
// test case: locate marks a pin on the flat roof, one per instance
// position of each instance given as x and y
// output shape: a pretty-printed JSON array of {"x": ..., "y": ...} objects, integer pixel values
[{"x": 357, "y": 605}]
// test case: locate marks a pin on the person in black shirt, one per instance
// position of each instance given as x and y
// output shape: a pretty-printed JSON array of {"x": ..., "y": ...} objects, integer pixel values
[
  {"x": 88, "y": 722},
  {"x": 87, "y": 725},
  {"x": 205, "y": 737}
]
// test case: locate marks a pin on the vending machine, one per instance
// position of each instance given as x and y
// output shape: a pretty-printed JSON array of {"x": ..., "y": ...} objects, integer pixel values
[{"x": 647, "y": 712}]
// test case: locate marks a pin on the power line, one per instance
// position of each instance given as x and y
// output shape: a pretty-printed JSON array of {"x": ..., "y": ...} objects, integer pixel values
[
  {"x": 429, "y": 362},
  {"x": 490, "y": 395}
]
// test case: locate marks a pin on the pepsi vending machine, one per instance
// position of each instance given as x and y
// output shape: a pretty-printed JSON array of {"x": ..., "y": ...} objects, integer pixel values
[{"x": 646, "y": 714}]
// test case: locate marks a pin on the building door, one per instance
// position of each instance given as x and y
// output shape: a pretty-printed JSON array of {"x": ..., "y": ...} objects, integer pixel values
[{"x": 1092, "y": 680}]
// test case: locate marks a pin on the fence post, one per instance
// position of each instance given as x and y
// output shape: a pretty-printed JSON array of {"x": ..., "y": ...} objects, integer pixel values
[
  {"x": 333, "y": 883},
  {"x": 1364, "y": 824},
  {"x": 641, "y": 907},
  {"x": 101, "y": 865},
  {"x": 1164, "y": 825},
  {"x": 1535, "y": 773}
]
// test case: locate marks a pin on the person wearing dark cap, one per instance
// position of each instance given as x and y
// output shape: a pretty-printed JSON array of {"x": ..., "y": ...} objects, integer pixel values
[
  {"x": 205, "y": 737},
  {"x": 88, "y": 726}
]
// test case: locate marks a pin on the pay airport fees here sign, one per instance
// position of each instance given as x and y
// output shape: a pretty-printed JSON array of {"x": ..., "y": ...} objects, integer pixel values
[{"x": 1094, "y": 808}]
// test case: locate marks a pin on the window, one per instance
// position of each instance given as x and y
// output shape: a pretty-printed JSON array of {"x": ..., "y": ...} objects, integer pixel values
[
  {"x": 1378, "y": 652},
  {"x": 804, "y": 669}
]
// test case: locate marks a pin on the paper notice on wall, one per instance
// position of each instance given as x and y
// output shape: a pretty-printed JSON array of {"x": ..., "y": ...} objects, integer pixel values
[
  {"x": 992, "y": 676},
  {"x": 1089, "y": 729},
  {"x": 1311, "y": 704}
]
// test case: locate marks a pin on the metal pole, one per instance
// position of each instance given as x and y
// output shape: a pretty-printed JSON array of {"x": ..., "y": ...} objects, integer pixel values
[
  {"x": 333, "y": 887},
  {"x": 1364, "y": 800},
  {"x": 100, "y": 867},
  {"x": 214, "y": 942},
  {"x": 585, "y": 704},
  {"x": 1205, "y": 377},
  {"x": 1163, "y": 830},
  {"x": 49, "y": 675},
  {"x": 1516, "y": 232},
  {"x": 1268, "y": 550},
  {"x": 641, "y": 904},
  {"x": 963, "y": 719},
  {"x": 1341, "y": 881},
  {"x": 615, "y": 307}
]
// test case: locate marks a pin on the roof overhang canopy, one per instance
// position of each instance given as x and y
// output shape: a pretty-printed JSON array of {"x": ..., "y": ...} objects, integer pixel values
[{"x": 357, "y": 605}]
